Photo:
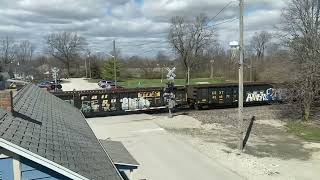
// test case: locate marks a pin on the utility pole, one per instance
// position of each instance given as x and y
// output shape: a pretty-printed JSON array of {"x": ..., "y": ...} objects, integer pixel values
[
  {"x": 251, "y": 70},
  {"x": 188, "y": 71},
  {"x": 85, "y": 65},
  {"x": 89, "y": 58},
  {"x": 211, "y": 71},
  {"x": 240, "y": 97},
  {"x": 161, "y": 73},
  {"x": 114, "y": 64}
]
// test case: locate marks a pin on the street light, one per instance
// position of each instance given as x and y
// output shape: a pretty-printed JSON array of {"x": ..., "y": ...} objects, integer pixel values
[{"x": 114, "y": 69}]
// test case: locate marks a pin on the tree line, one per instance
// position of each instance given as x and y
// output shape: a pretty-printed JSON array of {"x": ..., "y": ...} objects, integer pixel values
[
  {"x": 289, "y": 56},
  {"x": 295, "y": 59}
]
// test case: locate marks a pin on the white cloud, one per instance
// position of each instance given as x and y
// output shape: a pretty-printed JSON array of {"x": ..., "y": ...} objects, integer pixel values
[{"x": 101, "y": 21}]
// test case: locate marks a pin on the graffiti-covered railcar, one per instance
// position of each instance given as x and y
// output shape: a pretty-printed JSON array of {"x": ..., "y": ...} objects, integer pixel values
[
  {"x": 113, "y": 102},
  {"x": 120, "y": 101},
  {"x": 221, "y": 95}
]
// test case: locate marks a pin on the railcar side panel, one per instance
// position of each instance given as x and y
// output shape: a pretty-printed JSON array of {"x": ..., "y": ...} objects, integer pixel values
[{"x": 107, "y": 102}]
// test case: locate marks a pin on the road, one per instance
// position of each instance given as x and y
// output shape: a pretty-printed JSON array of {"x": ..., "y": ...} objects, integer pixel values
[
  {"x": 78, "y": 84},
  {"x": 161, "y": 155}
]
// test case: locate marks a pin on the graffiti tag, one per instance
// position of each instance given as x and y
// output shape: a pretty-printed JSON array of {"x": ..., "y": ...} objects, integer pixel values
[
  {"x": 134, "y": 103},
  {"x": 268, "y": 95}
]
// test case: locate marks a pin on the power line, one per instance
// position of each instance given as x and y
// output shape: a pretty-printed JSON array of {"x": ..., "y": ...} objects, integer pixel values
[
  {"x": 222, "y": 10},
  {"x": 146, "y": 43},
  {"x": 166, "y": 41},
  {"x": 154, "y": 49},
  {"x": 211, "y": 19},
  {"x": 226, "y": 21}
]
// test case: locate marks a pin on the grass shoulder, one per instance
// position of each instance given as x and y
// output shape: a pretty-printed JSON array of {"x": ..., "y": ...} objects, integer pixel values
[{"x": 307, "y": 131}]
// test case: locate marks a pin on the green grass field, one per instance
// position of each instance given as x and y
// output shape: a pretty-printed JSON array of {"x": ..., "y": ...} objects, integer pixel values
[
  {"x": 305, "y": 131},
  {"x": 134, "y": 83}
]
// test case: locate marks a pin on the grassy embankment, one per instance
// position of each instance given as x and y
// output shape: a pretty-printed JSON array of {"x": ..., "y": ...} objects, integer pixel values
[{"x": 309, "y": 132}]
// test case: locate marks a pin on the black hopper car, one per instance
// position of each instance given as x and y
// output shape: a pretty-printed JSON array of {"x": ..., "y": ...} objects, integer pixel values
[
  {"x": 226, "y": 95},
  {"x": 121, "y": 101}
]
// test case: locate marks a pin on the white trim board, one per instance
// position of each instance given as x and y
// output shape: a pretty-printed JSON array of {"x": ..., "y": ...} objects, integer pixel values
[
  {"x": 40, "y": 160},
  {"x": 125, "y": 164}
]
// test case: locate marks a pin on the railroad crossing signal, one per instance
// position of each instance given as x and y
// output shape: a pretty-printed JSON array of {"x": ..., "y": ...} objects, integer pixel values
[
  {"x": 171, "y": 75},
  {"x": 55, "y": 72},
  {"x": 169, "y": 90}
]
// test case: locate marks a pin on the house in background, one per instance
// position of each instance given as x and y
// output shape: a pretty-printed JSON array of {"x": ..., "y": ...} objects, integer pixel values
[{"x": 43, "y": 137}]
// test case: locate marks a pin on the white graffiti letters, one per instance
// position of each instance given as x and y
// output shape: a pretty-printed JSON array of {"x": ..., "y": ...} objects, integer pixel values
[
  {"x": 134, "y": 103},
  {"x": 256, "y": 96}
]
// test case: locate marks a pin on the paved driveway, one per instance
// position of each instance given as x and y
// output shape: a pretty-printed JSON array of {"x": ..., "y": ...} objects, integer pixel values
[{"x": 161, "y": 155}]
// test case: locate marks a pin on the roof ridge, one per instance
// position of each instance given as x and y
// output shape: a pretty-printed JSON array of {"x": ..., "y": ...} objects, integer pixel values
[{"x": 18, "y": 96}]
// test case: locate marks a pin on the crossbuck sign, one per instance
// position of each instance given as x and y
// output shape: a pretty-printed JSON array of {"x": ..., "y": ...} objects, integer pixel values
[
  {"x": 55, "y": 72},
  {"x": 171, "y": 75}
]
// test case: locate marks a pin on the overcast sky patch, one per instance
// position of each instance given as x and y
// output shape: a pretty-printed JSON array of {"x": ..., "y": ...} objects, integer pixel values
[{"x": 140, "y": 26}]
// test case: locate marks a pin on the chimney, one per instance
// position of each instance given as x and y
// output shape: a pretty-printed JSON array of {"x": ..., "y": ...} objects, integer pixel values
[{"x": 6, "y": 101}]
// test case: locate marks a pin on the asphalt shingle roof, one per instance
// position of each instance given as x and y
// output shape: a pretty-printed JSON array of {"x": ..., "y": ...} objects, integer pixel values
[
  {"x": 53, "y": 129},
  {"x": 118, "y": 152}
]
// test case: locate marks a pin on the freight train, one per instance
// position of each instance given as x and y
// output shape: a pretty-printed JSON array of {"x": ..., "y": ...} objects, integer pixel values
[{"x": 121, "y": 101}]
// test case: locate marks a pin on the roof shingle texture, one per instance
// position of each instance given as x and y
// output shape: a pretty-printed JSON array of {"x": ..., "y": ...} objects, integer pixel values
[
  {"x": 118, "y": 153},
  {"x": 53, "y": 129}
]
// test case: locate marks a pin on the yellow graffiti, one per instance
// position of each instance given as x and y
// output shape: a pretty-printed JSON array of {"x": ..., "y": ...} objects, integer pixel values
[{"x": 149, "y": 94}]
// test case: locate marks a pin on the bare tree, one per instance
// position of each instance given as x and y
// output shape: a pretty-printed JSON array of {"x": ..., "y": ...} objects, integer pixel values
[
  {"x": 65, "y": 46},
  {"x": 301, "y": 24},
  {"x": 24, "y": 51},
  {"x": 148, "y": 68},
  {"x": 7, "y": 47},
  {"x": 259, "y": 43},
  {"x": 188, "y": 38}
]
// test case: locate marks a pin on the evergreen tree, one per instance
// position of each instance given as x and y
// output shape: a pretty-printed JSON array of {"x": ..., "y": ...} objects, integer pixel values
[{"x": 108, "y": 70}]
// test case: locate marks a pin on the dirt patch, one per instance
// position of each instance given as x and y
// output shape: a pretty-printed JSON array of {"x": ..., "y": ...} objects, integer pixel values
[
  {"x": 268, "y": 138},
  {"x": 270, "y": 151},
  {"x": 271, "y": 122},
  {"x": 178, "y": 122}
]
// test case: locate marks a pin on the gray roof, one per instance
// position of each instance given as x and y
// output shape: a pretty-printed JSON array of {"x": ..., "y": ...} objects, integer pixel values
[
  {"x": 55, "y": 130},
  {"x": 118, "y": 153}
]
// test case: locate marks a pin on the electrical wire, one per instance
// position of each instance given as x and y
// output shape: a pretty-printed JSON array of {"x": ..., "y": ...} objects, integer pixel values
[
  {"x": 166, "y": 41},
  {"x": 147, "y": 43},
  {"x": 222, "y": 9}
]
